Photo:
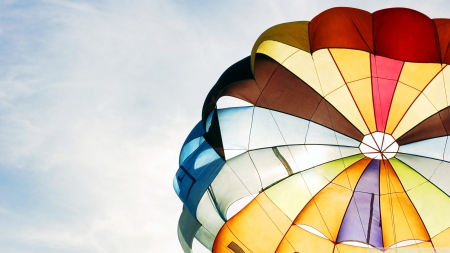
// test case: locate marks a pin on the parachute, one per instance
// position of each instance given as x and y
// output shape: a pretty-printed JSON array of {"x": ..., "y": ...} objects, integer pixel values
[{"x": 332, "y": 136}]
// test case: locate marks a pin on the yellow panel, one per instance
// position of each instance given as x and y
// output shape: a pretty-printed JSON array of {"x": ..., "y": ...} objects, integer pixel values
[
  {"x": 353, "y": 64},
  {"x": 362, "y": 94},
  {"x": 343, "y": 248},
  {"x": 304, "y": 241},
  {"x": 302, "y": 65},
  {"x": 441, "y": 241},
  {"x": 408, "y": 176},
  {"x": 326, "y": 210},
  {"x": 276, "y": 50},
  {"x": 424, "y": 247},
  {"x": 352, "y": 174},
  {"x": 436, "y": 92},
  {"x": 329, "y": 76},
  {"x": 290, "y": 195},
  {"x": 446, "y": 76},
  {"x": 294, "y": 34},
  {"x": 418, "y": 75},
  {"x": 419, "y": 110},
  {"x": 260, "y": 225},
  {"x": 433, "y": 206},
  {"x": 404, "y": 96},
  {"x": 343, "y": 102}
]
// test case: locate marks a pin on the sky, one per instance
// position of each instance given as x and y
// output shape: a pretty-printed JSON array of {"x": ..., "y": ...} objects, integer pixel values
[{"x": 96, "y": 99}]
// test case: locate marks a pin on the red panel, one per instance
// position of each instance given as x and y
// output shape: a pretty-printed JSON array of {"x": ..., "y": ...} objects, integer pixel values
[
  {"x": 443, "y": 29},
  {"x": 385, "y": 74},
  {"x": 405, "y": 34},
  {"x": 341, "y": 27}
]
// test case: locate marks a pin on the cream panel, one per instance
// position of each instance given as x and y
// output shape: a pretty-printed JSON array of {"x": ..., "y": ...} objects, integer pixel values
[
  {"x": 420, "y": 110},
  {"x": 302, "y": 65},
  {"x": 343, "y": 101},
  {"x": 329, "y": 76}
]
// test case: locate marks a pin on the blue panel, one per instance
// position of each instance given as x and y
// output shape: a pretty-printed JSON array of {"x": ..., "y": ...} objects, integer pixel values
[
  {"x": 196, "y": 174},
  {"x": 190, "y": 147},
  {"x": 196, "y": 132}
]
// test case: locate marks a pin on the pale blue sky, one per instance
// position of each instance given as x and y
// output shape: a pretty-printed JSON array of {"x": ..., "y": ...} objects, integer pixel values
[{"x": 96, "y": 98}]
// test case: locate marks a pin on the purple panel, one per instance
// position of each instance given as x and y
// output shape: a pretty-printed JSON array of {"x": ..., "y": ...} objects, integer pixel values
[{"x": 362, "y": 219}]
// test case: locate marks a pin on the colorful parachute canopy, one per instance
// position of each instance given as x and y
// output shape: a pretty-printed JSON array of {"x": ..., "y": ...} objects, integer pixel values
[{"x": 331, "y": 137}]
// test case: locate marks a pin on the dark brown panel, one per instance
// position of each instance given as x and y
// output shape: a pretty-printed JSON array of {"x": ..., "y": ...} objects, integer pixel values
[
  {"x": 246, "y": 90},
  {"x": 214, "y": 137},
  {"x": 328, "y": 116},
  {"x": 264, "y": 68},
  {"x": 285, "y": 92},
  {"x": 434, "y": 126}
]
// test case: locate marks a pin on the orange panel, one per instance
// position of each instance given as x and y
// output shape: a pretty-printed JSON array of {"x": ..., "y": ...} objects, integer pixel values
[
  {"x": 399, "y": 218},
  {"x": 351, "y": 175},
  {"x": 425, "y": 247},
  {"x": 285, "y": 247},
  {"x": 442, "y": 241},
  {"x": 260, "y": 226},
  {"x": 326, "y": 210},
  {"x": 343, "y": 248},
  {"x": 224, "y": 238},
  {"x": 389, "y": 182},
  {"x": 303, "y": 241}
]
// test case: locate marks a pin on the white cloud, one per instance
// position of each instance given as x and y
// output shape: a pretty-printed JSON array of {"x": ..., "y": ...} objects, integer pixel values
[{"x": 96, "y": 99}]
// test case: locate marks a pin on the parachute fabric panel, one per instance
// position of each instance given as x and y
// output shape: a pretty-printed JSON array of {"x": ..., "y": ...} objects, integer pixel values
[{"x": 337, "y": 142}]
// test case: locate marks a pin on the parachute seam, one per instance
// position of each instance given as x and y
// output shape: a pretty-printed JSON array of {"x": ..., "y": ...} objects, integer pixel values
[{"x": 409, "y": 107}]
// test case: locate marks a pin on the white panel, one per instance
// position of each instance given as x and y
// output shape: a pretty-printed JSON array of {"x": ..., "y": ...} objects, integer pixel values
[
  {"x": 347, "y": 151},
  {"x": 243, "y": 167},
  {"x": 265, "y": 132},
  {"x": 301, "y": 157},
  {"x": 425, "y": 166},
  {"x": 287, "y": 154},
  {"x": 320, "y": 153},
  {"x": 230, "y": 153},
  {"x": 205, "y": 238},
  {"x": 346, "y": 141},
  {"x": 268, "y": 165},
  {"x": 318, "y": 134},
  {"x": 235, "y": 124},
  {"x": 433, "y": 148},
  {"x": 208, "y": 216},
  {"x": 228, "y": 188},
  {"x": 238, "y": 205},
  {"x": 441, "y": 177},
  {"x": 292, "y": 128}
]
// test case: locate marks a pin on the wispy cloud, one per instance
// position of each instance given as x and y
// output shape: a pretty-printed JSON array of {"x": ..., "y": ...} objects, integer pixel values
[{"x": 96, "y": 98}]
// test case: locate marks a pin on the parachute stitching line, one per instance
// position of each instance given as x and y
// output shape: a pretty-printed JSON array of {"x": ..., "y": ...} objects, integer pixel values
[
  {"x": 231, "y": 231},
  {"x": 348, "y": 90},
  {"x": 346, "y": 172},
  {"x": 248, "y": 147},
  {"x": 414, "y": 207},
  {"x": 421, "y": 92}
]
